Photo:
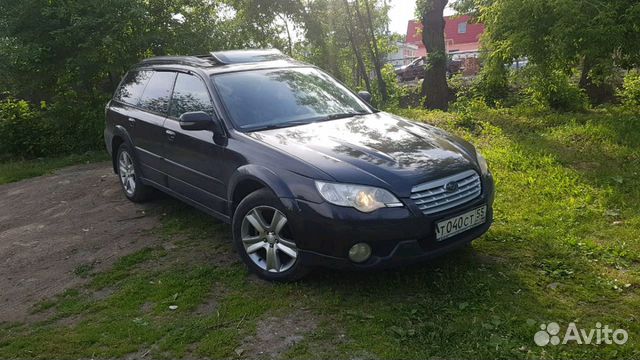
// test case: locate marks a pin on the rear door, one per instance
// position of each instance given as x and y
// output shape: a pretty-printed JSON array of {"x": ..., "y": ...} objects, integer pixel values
[
  {"x": 195, "y": 162},
  {"x": 147, "y": 124},
  {"x": 123, "y": 109}
]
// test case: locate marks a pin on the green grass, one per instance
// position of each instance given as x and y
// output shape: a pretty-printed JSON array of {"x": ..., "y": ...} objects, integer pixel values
[
  {"x": 564, "y": 247},
  {"x": 16, "y": 170}
]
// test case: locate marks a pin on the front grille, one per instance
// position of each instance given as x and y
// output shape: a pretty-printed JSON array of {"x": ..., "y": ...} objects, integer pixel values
[{"x": 443, "y": 194}]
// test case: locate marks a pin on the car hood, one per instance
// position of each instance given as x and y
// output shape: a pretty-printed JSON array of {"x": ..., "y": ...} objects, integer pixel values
[{"x": 375, "y": 149}]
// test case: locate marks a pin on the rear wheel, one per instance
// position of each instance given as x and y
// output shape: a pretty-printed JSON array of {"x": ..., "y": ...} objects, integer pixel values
[
  {"x": 128, "y": 173},
  {"x": 263, "y": 238}
]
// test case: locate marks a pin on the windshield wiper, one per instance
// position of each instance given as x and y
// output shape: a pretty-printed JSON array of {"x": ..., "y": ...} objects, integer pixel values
[
  {"x": 281, "y": 125},
  {"x": 344, "y": 115},
  {"x": 307, "y": 121}
]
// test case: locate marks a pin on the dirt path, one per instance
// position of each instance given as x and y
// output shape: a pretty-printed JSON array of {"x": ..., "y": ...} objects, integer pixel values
[{"x": 51, "y": 227}]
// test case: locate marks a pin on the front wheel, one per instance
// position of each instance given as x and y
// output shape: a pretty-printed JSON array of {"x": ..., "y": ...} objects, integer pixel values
[{"x": 263, "y": 239}]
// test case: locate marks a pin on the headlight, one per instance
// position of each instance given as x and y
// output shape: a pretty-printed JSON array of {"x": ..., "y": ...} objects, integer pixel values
[
  {"x": 482, "y": 162},
  {"x": 363, "y": 198}
]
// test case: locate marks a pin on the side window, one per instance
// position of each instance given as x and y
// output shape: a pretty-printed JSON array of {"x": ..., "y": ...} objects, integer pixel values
[
  {"x": 158, "y": 91},
  {"x": 189, "y": 94},
  {"x": 132, "y": 86}
]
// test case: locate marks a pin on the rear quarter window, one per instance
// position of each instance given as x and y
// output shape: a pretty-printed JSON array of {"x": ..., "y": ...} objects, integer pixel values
[{"x": 132, "y": 87}]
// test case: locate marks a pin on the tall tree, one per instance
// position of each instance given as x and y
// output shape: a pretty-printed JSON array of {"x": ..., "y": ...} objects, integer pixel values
[
  {"x": 59, "y": 48},
  {"x": 434, "y": 86},
  {"x": 338, "y": 38},
  {"x": 373, "y": 48},
  {"x": 349, "y": 27}
]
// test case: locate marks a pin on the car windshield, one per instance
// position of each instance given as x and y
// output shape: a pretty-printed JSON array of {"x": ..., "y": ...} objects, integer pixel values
[{"x": 264, "y": 99}]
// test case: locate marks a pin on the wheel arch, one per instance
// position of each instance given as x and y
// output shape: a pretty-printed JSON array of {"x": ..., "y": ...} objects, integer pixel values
[
  {"x": 250, "y": 178},
  {"x": 120, "y": 136}
]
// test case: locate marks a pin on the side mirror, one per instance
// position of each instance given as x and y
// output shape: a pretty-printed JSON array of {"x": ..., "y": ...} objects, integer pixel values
[
  {"x": 200, "y": 120},
  {"x": 196, "y": 120},
  {"x": 364, "y": 95}
]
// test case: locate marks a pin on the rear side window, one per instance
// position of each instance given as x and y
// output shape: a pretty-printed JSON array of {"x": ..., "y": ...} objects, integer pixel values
[
  {"x": 189, "y": 94},
  {"x": 158, "y": 91},
  {"x": 131, "y": 88}
]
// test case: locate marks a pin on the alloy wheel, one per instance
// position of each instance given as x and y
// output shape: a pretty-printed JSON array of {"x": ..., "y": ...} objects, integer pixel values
[
  {"x": 127, "y": 173},
  {"x": 267, "y": 240}
]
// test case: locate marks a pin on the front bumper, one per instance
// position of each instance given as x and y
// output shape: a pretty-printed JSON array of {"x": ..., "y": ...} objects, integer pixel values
[{"x": 398, "y": 236}]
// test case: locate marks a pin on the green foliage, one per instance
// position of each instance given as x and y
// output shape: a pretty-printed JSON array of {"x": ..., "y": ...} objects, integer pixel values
[
  {"x": 77, "y": 128},
  {"x": 62, "y": 128},
  {"x": 630, "y": 92},
  {"x": 535, "y": 86},
  {"x": 16, "y": 170},
  {"x": 337, "y": 32},
  {"x": 558, "y": 37},
  {"x": 463, "y": 90},
  {"x": 23, "y": 130},
  {"x": 555, "y": 91},
  {"x": 492, "y": 84},
  {"x": 73, "y": 53},
  {"x": 396, "y": 92}
]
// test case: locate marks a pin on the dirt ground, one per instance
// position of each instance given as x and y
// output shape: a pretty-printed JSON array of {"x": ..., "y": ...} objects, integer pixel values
[
  {"x": 52, "y": 227},
  {"x": 275, "y": 335}
]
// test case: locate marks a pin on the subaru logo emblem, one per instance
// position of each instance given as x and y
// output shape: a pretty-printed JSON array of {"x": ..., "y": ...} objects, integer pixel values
[{"x": 451, "y": 187}]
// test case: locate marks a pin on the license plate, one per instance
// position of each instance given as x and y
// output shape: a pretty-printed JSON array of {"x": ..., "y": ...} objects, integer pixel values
[{"x": 463, "y": 222}]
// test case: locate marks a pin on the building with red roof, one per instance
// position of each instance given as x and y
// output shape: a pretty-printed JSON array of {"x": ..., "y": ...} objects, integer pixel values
[{"x": 462, "y": 37}]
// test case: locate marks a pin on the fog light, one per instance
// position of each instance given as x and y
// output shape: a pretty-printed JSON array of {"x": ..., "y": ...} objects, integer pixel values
[{"x": 360, "y": 252}]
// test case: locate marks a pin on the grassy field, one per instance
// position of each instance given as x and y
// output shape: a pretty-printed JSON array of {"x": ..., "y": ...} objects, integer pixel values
[
  {"x": 565, "y": 247},
  {"x": 17, "y": 170}
]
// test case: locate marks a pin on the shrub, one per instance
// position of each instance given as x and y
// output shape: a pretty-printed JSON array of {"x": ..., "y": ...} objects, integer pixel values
[
  {"x": 395, "y": 91},
  {"x": 471, "y": 112},
  {"x": 553, "y": 90},
  {"x": 461, "y": 87},
  {"x": 79, "y": 125},
  {"x": 65, "y": 127},
  {"x": 630, "y": 92},
  {"x": 21, "y": 129},
  {"x": 492, "y": 84}
]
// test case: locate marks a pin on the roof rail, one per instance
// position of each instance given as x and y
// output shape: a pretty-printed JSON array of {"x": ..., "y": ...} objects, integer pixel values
[
  {"x": 182, "y": 60},
  {"x": 220, "y": 58},
  {"x": 247, "y": 56}
]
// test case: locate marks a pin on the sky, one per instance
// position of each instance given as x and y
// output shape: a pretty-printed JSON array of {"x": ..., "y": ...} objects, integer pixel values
[{"x": 401, "y": 12}]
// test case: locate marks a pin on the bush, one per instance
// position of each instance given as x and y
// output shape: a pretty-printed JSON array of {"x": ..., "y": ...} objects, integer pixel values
[
  {"x": 492, "y": 84},
  {"x": 27, "y": 131},
  {"x": 630, "y": 92},
  {"x": 395, "y": 91},
  {"x": 553, "y": 90},
  {"x": 79, "y": 125},
  {"x": 21, "y": 129}
]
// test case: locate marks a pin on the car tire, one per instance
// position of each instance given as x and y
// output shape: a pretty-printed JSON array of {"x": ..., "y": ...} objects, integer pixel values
[
  {"x": 128, "y": 172},
  {"x": 263, "y": 239}
]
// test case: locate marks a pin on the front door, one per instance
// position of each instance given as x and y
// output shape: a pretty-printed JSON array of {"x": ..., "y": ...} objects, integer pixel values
[{"x": 194, "y": 160}]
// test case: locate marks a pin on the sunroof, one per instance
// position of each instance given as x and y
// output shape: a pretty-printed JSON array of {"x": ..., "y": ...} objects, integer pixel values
[{"x": 248, "y": 56}]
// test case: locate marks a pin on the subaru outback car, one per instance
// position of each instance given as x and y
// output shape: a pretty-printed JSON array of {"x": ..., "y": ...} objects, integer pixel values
[{"x": 307, "y": 172}]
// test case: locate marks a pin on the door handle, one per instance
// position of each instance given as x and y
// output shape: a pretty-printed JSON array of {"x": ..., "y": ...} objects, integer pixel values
[
  {"x": 170, "y": 134},
  {"x": 132, "y": 121}
]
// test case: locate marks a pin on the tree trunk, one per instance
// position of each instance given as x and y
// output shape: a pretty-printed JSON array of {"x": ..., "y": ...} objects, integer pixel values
[
  {"x": 356, "y": 50},
  {"x": 434, "y": 86},
  {"x": 286, "y": 26},
  {"x": 597, "y": 92},
  {"x": 375, "y": 55}
]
